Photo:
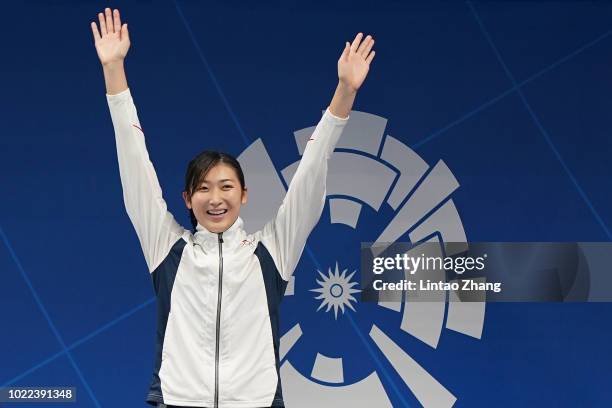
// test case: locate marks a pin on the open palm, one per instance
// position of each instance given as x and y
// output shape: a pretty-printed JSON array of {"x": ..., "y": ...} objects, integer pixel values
[
  {"x": 354, "y": 63},
  {"x": 113, "y": 40}
]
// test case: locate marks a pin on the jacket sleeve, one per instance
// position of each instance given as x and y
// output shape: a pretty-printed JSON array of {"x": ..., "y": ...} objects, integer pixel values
[
  {"x": 156, "y": 228},
  {"x": 285, "y": 236}
]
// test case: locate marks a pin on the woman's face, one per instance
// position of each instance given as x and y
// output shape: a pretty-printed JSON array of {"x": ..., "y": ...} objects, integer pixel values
[{"x": 217, "y": 199}]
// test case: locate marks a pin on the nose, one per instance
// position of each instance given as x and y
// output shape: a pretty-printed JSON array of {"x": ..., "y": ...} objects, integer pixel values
[{"x": 215, "y": 197}]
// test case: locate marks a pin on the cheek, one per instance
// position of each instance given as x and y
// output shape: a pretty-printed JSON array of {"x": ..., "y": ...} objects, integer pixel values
[
  {"x": 197, "y": 200},
  {"x": 235, "y": 199}
]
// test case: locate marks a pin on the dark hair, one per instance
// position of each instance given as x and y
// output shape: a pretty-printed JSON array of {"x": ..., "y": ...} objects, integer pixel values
[{"x": 199, "y": 167}]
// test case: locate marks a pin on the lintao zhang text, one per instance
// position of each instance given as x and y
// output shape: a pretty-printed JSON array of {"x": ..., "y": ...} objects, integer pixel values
[{"x": 428, "y": 285}]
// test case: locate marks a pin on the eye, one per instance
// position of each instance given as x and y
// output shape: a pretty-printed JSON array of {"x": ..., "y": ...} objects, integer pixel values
[
  {"x": 203, "y": 188},
  {"x": 227, "y": 187}
]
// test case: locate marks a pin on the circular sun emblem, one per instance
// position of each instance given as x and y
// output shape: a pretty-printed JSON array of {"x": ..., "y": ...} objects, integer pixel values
[{"x": 336, "y": 290}]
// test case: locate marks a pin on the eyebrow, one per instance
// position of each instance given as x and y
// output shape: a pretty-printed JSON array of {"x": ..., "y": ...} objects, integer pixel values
[{"x": 220, "y": 181}]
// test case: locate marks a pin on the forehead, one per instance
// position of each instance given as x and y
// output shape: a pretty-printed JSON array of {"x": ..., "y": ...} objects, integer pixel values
[{"x": 220, "y": 172}]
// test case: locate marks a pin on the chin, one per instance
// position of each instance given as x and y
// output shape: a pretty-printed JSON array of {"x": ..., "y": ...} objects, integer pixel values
[
  {"x": 218, "y": 227},
  {"x": 214, "y": 228}
]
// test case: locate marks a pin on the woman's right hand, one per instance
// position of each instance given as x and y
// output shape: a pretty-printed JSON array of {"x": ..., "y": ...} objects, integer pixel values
[{"x": 113, "y": 40}]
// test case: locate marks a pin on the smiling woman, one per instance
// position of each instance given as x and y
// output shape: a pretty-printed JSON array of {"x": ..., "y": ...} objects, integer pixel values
[
  {"x": 219, "y": 288},
  {"x": 214, "y": 190}
]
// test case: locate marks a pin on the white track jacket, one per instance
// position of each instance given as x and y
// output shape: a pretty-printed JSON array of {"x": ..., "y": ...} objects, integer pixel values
[{"x": 218, "y": 295}]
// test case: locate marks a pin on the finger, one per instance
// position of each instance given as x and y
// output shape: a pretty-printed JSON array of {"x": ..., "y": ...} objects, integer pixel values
[
  {"x": 367, "y": 48},
  {"x": 94, "y": 30},
  {"x": 356, "y": 42},
  {"x": 116, "y": 21},
  {"x": 102, "y": 24},
  {"x": 109, "y": 21},
  {"x": 370, "y": 57},
  {"x": 364, "y": 44},
  {"x": 125, "y": 35},
  {"x": 345, "y": 51}
]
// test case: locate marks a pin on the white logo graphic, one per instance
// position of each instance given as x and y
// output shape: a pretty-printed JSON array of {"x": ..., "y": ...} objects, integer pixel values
[
  {"x": 336, "y": 291},
  {"x": 370, "y": 168}
]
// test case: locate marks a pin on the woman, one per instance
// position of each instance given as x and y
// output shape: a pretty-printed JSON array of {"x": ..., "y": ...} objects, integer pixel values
[{"x": 218, "y": 288}]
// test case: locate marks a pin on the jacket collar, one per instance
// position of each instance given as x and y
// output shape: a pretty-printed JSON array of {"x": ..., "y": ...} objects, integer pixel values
[{"x": 231, "y": 236}]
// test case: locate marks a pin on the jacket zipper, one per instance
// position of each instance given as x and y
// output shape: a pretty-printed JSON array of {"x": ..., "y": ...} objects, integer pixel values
[{"x": 219, "y": 294}]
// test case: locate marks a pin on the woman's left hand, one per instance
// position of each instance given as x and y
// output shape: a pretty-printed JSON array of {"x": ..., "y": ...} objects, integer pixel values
[{"x": 354, "y": 63}]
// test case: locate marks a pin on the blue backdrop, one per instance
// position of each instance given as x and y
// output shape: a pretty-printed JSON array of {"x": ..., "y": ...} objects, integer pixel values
[{"x": 514, "y": 97}]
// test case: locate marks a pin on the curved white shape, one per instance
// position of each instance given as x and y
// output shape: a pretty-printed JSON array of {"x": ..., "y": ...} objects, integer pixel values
[
  {"x": 343, "y": 211},
  {"x": 438, "y": 185},
  {"x": 266, "y": 190},
  {"x": 447, "y": 222},
  {"x": 299, "y": 391},
  {"x": 288, "y": 340},
  {"x": 410, "y": 165},
  {"x": 423, "y": 315},
  {"x": 395, "y": 305},
  {"x": 425, "y": 388},
  {"x": 327, "y": 369},
  {"x": 466, "y": 317},
  {"x": 354, "y": 175},
  {"x": 290, "y": 290}
]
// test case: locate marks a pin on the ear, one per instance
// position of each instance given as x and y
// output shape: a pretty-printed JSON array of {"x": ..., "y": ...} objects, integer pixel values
[
  {"x": 245, "y": 196},
  {"x": 187, "y": 200}
]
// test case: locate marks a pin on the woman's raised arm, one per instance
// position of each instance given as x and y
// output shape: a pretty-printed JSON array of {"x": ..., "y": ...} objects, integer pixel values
[
  {"x": 353, "y": 67},
  {"x": 112, "y": 42},
  {"x": 156, "y": 228},
  {"x": 285, "y": 236}
]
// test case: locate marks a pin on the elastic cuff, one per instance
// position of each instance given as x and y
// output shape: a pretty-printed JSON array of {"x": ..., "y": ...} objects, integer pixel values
[
  {"x": 120, "y": 96},
  {"x": 334, "y": 117}
]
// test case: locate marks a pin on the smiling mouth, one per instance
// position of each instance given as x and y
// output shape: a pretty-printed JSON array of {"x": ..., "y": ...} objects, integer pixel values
[{"x": 216, "y": 213}]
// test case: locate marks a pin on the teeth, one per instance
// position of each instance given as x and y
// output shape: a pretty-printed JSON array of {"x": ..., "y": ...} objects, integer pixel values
[{"x": 218, "y": 212}]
